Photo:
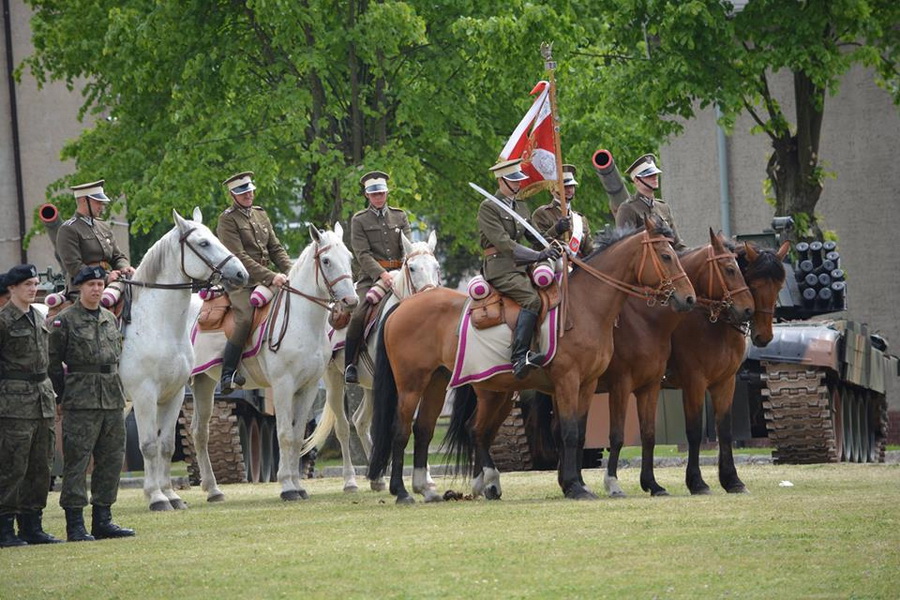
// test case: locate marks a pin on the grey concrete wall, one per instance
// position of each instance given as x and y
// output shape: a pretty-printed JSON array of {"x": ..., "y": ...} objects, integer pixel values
[{"x": 860, "y": 144}]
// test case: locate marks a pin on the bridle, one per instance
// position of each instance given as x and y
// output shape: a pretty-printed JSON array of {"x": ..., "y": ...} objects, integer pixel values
[
  {"x": 716, "y": 307},
  {"x": 407, "y": 276},
  {"x": 661, "y": 293}
]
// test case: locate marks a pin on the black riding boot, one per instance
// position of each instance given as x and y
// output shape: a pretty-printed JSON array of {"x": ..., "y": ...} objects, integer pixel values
[
  {"x": 8, "y": 537},
  {"x": 32, "y": 530},
  {"x": 523, "y": 360},
  {"x": 355, "y": 332},
  {"x": 75, "y": 531},
  {"x": 102, "y": 526},
  {"x": 230, "y": 377}
]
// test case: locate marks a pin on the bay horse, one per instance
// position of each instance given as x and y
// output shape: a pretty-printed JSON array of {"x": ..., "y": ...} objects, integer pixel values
[
  {"x": 157, "y": 355},
  {"x": 293, "y": 363},
  {"x": 419, "y": 272},
  {"x": 642, "y": 343},
  {"x": 419, "y": 343}
]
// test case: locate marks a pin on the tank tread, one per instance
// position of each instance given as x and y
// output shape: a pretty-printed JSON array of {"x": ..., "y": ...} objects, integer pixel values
[
  {"x": 225, "y": 452},
  {"x": 510, "y": 449},
  {"x": 797, "y": 413}
]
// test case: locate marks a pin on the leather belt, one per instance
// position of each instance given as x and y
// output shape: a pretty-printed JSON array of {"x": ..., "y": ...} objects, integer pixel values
[
  {"x": 490, "y": 251},
  {"x": 390, "y": 264},
  {"x": 23, "y": 376},
  {"x": 104, "y": 369}
]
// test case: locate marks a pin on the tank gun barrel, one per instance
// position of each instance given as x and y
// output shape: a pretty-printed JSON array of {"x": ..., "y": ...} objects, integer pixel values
[
  {"x": 49, "y": 216},
  {"x": 610, "y": 178}
]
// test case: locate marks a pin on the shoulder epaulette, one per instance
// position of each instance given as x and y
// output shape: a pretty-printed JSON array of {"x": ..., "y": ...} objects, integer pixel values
[
  {"x": 228, "y": 210},
  {"x": 359, "y": 212},
  {"x": 396, "y": 209},
  {"x": 69, "y": 221},
  {"x": 254, "y": 207}
]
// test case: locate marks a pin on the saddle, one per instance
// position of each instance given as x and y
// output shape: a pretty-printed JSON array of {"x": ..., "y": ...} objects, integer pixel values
[
  {"x": 215, "y": 315},
  {"x": 497, "y": 308}
]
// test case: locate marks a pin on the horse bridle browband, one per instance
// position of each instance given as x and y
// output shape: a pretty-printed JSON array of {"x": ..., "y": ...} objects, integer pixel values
[{"x": 716, "y": 307}]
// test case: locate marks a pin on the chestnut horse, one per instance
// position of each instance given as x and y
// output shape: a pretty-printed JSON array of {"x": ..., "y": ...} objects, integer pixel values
[
  {"x": 419, "y": 344},
  {"x": 643, "y": 342}
]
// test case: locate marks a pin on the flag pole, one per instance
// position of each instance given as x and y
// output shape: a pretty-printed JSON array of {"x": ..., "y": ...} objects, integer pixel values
[{"x": 550, "y": 65}]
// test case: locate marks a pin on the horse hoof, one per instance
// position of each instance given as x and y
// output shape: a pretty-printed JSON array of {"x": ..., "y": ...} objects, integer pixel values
[
  {"x": 294, "y": 495},
  {"x": 432, "y": 496},
  {"x": 659, "y": 492},
  {"x": 618, "y": 494},
  {"x": 178, "y": 504},
  {"x": 581, "y": 493},
  {"x": 739, "y": 489},
  {"x": 703, "y": 491},
  {"x": 492, "y": 493},
  {"x": 377, "y": 486},
  {"x": 351, "y": 489},
  {"x": 219, "y": 497},
  {"x": 406, "y": 500},
  {"x": 161, "y": 506}
]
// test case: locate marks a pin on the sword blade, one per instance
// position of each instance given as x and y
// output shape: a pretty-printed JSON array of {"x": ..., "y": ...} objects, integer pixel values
[{"x": 511, "y": 213}]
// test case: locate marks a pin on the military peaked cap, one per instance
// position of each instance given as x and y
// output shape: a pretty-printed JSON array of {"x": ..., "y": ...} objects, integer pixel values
[
  {"x": 93, "y": 190},
  {"x": 645, "y": 166},
  {"x": 569, "y": 175},
  {"x": 509, "y": 169},
  {"x": 374, "y": 181},
  {"x": 240, "y": 183}
]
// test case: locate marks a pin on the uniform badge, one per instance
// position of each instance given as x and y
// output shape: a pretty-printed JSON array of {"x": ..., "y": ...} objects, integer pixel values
[{"x": 57, "y": 323}]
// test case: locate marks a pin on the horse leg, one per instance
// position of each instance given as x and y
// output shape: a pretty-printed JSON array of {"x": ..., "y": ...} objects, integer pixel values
[
  {"x": 145, "y": 414},
  {"x": 647, "y": 399},
  {"x": 291, "y": 431},
  {"x": 334, "y": 401},
  {"x": 423, "y": 431},
  {"x": 722, "y": 394},
  {"x": 168, "y": 419},
  {"x": 406, "y": 406},
  {"x": 362, "y": 422},
  {"x": 618, "y": 403},
  {"x": 571, "y": 401},
  {"x": 693, "y": 395},
  {"x": 203, "y": 388}
]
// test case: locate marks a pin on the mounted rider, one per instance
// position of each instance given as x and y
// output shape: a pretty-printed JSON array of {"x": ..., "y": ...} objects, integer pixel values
[
  {"x": 505, "y": 259},
  {"x": 86, "y": 240},
  {"x": 645, "y": 175},
  {"x": 548, "y": 218},
  {"x": 246, "y": 231},
  {"x": 375, "y": 238}
]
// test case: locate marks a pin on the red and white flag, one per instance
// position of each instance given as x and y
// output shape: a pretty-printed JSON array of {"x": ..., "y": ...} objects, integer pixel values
[{"x": 532, "y": 141}]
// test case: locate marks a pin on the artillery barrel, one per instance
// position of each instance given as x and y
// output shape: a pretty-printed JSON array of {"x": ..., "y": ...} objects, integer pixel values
[
  {"x": 610, "y": 178},
  {"x": 49, "y": 216}
]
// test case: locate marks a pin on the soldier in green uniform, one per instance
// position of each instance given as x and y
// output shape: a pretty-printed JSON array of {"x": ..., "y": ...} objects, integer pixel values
[
  {"x": 375, "y": 240},
  {"x": 86, "y": 240},
  {"x": 548, "y": 218},
  {"x": 85, "y": 337},
  {"x": 505, "y": 259},
  {"x": 246, "y": 231},
  {"x": 645, "y": 175},
  {"x": 27, "y": 411}
]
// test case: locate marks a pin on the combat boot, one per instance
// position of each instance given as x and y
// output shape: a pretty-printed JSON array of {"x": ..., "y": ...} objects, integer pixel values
[
  {"x": 102, "y": 526},
  {"x": 523, "y": 359},
  {"x": 8, "y": 537},
  {"x": 230, "y": 377},
  {"x": 75, "y": 531},
  {"x": 32, "y": 531}
]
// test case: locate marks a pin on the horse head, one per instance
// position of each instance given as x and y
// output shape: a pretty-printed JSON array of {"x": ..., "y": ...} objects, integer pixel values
[
  {"x": 204, "y": 257},
  {"x": 725, "y": 271},
  {"x": 764, "y": 273},
  {"x": 420, "y": 270},
  {"x": 659, "y": 267},
  {"x": 334, "y": 274}
]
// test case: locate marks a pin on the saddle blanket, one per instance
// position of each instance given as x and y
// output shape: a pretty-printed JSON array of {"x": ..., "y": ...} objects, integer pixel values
[
  {"x": 338, "y": 339},
  {"x": 483, "y": 353},
  {"x": 210, "y": 345}
]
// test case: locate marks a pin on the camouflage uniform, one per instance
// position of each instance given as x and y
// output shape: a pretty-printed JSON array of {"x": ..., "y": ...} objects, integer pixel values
[
  {"x": 27, "y": 411},
  {"x": 249, "y": 235},
  {"x": 632, "y": 213},
  {"x": 93, "y": 401},
  {"x": 500, "y": 234},
  {"x": 545, "y": 218},
  {"x": 79, "y": 244}
]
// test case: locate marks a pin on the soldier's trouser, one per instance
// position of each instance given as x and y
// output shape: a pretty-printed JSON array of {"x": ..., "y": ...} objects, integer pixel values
[
  {"x": 98, "y": 433},
  {"x": 518, "y": 287},
  {"x": 26, "y": 456},
  {"x": 243, "y": 316},
  {"x": 355, "y": 327}
]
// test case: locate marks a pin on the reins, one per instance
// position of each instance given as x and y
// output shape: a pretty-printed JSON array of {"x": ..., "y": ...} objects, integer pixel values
[{"x": 716, "y": 307}]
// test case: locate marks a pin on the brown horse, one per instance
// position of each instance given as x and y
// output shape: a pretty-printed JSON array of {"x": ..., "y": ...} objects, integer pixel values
[
  {"x": 643, "y": 342},
  {"x": 419, "y": 343}
]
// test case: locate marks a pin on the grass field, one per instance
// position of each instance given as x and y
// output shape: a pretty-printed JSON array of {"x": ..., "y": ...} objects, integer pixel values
[{"x": 834, "y": 534}]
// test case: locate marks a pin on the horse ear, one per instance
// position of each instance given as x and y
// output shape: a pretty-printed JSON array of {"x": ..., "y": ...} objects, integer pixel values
[
  {"x": 716, "y": 241},
  {"x": 782, "y": 252},
  {"x": 314, "y": 233},
  {"x": 752, "y": 254},
  {"x": 407, "y": 245},
  {"x": 432, "y": 241},
  {"x": 179, "y": 220},
  {"x": 198, "y": 215},
  {"x": 338, "y": 229}
]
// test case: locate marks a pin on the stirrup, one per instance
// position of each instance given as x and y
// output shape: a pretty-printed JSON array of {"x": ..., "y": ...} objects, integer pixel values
[
  {"x": 351, "y": 375},
  {"x": 229, "y": 384}
]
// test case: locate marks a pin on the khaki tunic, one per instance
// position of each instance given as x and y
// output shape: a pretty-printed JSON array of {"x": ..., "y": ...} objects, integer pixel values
[
  {"x": 632, "y": 213},
  {"x": 79, "y": 244},
  {"x": 27, "y": 435},
  {"x": 501, "y": 232},
  {"x": 374, "y": 237},
  {"x": 544, "y": 220}
]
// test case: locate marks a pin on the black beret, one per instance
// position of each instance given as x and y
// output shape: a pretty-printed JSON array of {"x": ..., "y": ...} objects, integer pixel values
[
  {"x": 3, "y": 289},
  {"x": 20, "y": 273},
  {"x": 87, "y": 274}
]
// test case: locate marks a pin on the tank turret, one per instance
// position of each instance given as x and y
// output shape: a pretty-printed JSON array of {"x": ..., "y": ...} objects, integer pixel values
[{"x": 610, "y": 178}]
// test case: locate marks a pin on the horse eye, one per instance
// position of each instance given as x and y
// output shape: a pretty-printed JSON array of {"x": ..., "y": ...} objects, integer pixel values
[
  {"x": 204, "y": 243},
  {"x": 667, "y": 257},
  {"x": 326, "y": 262},
  {"x": 412, "y": 268},
  {"x": 730, "y": 271}
]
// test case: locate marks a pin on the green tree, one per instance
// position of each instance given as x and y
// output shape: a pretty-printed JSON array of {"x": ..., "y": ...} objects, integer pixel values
[{"x": 676, "y": 55}]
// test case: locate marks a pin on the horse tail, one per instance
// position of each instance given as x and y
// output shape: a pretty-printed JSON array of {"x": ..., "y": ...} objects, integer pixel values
[
  {"x": 321, "y": 432},
  {"x": 384, "y": 413},
  {"x": 458, "y": 441}
]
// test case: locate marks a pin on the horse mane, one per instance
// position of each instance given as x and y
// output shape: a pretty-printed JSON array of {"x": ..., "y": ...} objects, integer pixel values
[
  {"x": 151, "y": 266},
  {"x": 766, "y": 266},
  {"x": 613, "y": 236},
  {"x": 303, "y": 256}
]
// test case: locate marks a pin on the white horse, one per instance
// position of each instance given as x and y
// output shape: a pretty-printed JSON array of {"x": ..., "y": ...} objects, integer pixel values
[
  {"x": 420, "y": 271},
  {"x": 320, "y": 276},
  {"x": 157, "y": 355}
]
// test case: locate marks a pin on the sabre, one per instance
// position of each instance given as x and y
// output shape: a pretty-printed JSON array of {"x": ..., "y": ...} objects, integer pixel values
[{"x": 511, "y": 213}]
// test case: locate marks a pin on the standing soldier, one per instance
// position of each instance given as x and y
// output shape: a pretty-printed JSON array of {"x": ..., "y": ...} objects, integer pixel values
[
  {"x": 246, "y": 231},
  {"x": 4, "y": 291},
  {"x": 85, "y": 337},
  {"x": 86, "y": 240},
  {"x": 375, "y": 239},
  {"x": 548, "y": 218},
  {"x": 645, "y": 175},
  {"x": 27, "y": 411},
  {"x": 505, "y": 260}
]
